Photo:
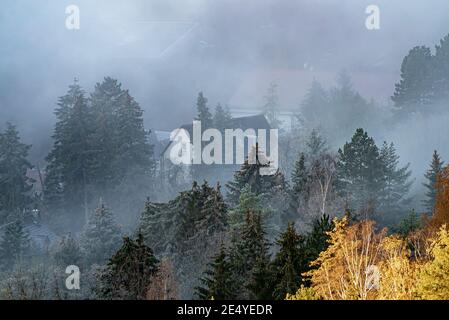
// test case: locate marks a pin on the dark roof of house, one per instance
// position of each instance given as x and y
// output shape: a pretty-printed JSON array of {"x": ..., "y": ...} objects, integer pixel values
[{"x": 250, "y": 122}]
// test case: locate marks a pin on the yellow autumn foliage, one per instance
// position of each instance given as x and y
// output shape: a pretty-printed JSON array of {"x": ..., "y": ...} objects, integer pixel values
[{"x": 433, "y": 277}]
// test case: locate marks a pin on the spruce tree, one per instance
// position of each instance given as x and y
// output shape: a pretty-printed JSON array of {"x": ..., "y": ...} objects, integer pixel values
[
  {"x": 315, "y": 105},
  {"x": 317, "y": 239},
  {"x": 316, "y": 145},
  {"x": 129, "y": 271},
  {"x": 218, "y": 282},
  {"x": 360, "y": 170},
  {"x": 441, "y": 69},
  {"x": 14, "y": 245},
  {"x": 101, "y": 236},
  {"x": 271, "y": 106},
  {"x": 222, "y": 118},
  {"x": 203, "y": 112},
  {"x": 249, "y": 256},
  {"x": 301, "y": 185},
  {"x": 431, "y": 179},
  {"x": 69, "y": 162},
  {"x": 414, "y": 91},
  {"x": 289, "y": 263},
  {"x": 396, "y": 179},
  {"x": 105, "y": 101},
  {"x": 14, "y": 184}
]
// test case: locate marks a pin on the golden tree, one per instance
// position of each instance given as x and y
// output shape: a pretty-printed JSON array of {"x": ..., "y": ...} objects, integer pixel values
[
  {"x": 347, "y": 269},
  {"x": 433, "y": 277},
  {"x": 397, "y": 271}
]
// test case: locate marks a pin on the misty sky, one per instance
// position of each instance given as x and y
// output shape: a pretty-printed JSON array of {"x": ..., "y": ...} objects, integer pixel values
[{"x": 165, "y": 51}]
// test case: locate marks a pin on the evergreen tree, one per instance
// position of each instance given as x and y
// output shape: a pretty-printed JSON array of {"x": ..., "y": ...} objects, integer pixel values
[
  {"x": 101, "y": 236},
  {"x": 105, "y": 100},
  {"x": 203, "y": 113},
  {"x": 414, "y": 90},
  {"x": 397, "y": 180},
  {"x": 133, "y": 149},
  {"x": 289, "y": 263},
  {"x": 129, "y": 271},
  {"x": 222, "y": 118},
  {"x": 69, "y": 162},
  {"x": 360, "y": 170},
  {"x": 249, "y": 175},
  {"x": 248, "y": 201},
  {"x": 249, "y": 256},
  {"x": 345, "y": 101},
  {"x": 431, "y": 176},
  {"x": 317, "y": 239},
  {"x": 441, "y": 69},
  {"x": 301, "y": 187},
  {"x": 214, "y": 214},
  {"x": 14, "y": 184},
  {"x": 271, "y": 107},
  {"x": 315, "y": 105},
  {"x": 14, "y": 244},
  {"x": 218, "y": 282},
  {"x": 316, "y": 145}
]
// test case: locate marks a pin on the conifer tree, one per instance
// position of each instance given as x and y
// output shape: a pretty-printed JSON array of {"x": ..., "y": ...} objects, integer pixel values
[
  {"x": 317, "y": 239},
  {"x": 14, "y": 245},
  {"x": 69, "y": 162},
  {"x": 203, "y": 112},
  {"x": 360, "y": 170},
  {"x": 129, "y": 271},
  {"x": 301, "y": 187},
  {"x": 316, "y": 145},
  {"x": 289, "y": 263},
  {"x": 249, "y": 256},
  {"x": 441, "y": 69},
  {"x": 14, "y": 184},
  {"x": 431, "y": 179},
  {"x": 315, "y": 104},
  {"x": 222, "y": 118},
  {"x": 101, "y": 236},
  {"x": 397, "y": 180},
  {"x": 105, "y": 101},
  {"x": 271, "y": 106},
  {"x": 414, "y": 90},
  {"x": 218, "y": 281}
]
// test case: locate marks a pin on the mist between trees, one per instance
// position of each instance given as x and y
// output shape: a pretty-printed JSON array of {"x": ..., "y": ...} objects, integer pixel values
[{"x": 228, "y": 231}]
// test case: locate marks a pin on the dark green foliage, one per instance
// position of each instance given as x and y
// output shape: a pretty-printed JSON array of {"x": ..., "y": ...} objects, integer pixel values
[
  {"x": 218, "y": 282},
  {"x": 409, "y": 224},
  {"x": 301, "y": 187},
  {"x": 360, "y": 170},
  {"x": 397, "y": 181},
  {"x": 129, "y": 271},
  {"x": 101, "y": 236},
  {"x": 315, "y": 105},
  {"x": 289, "y": 263},
  {"x": 70, "y": 158},
  {"x": 14, "y": 184},
  {"x": 222, "y": 118},
  {"x": 424, "y": 79},
  {"x": 14, "y": 245},
  {"x": 317, "y": 239},
  {"x": 250, "y": 257},
  {"x": 431, "y": 179},
  {"x": 203, "y": 112}
]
